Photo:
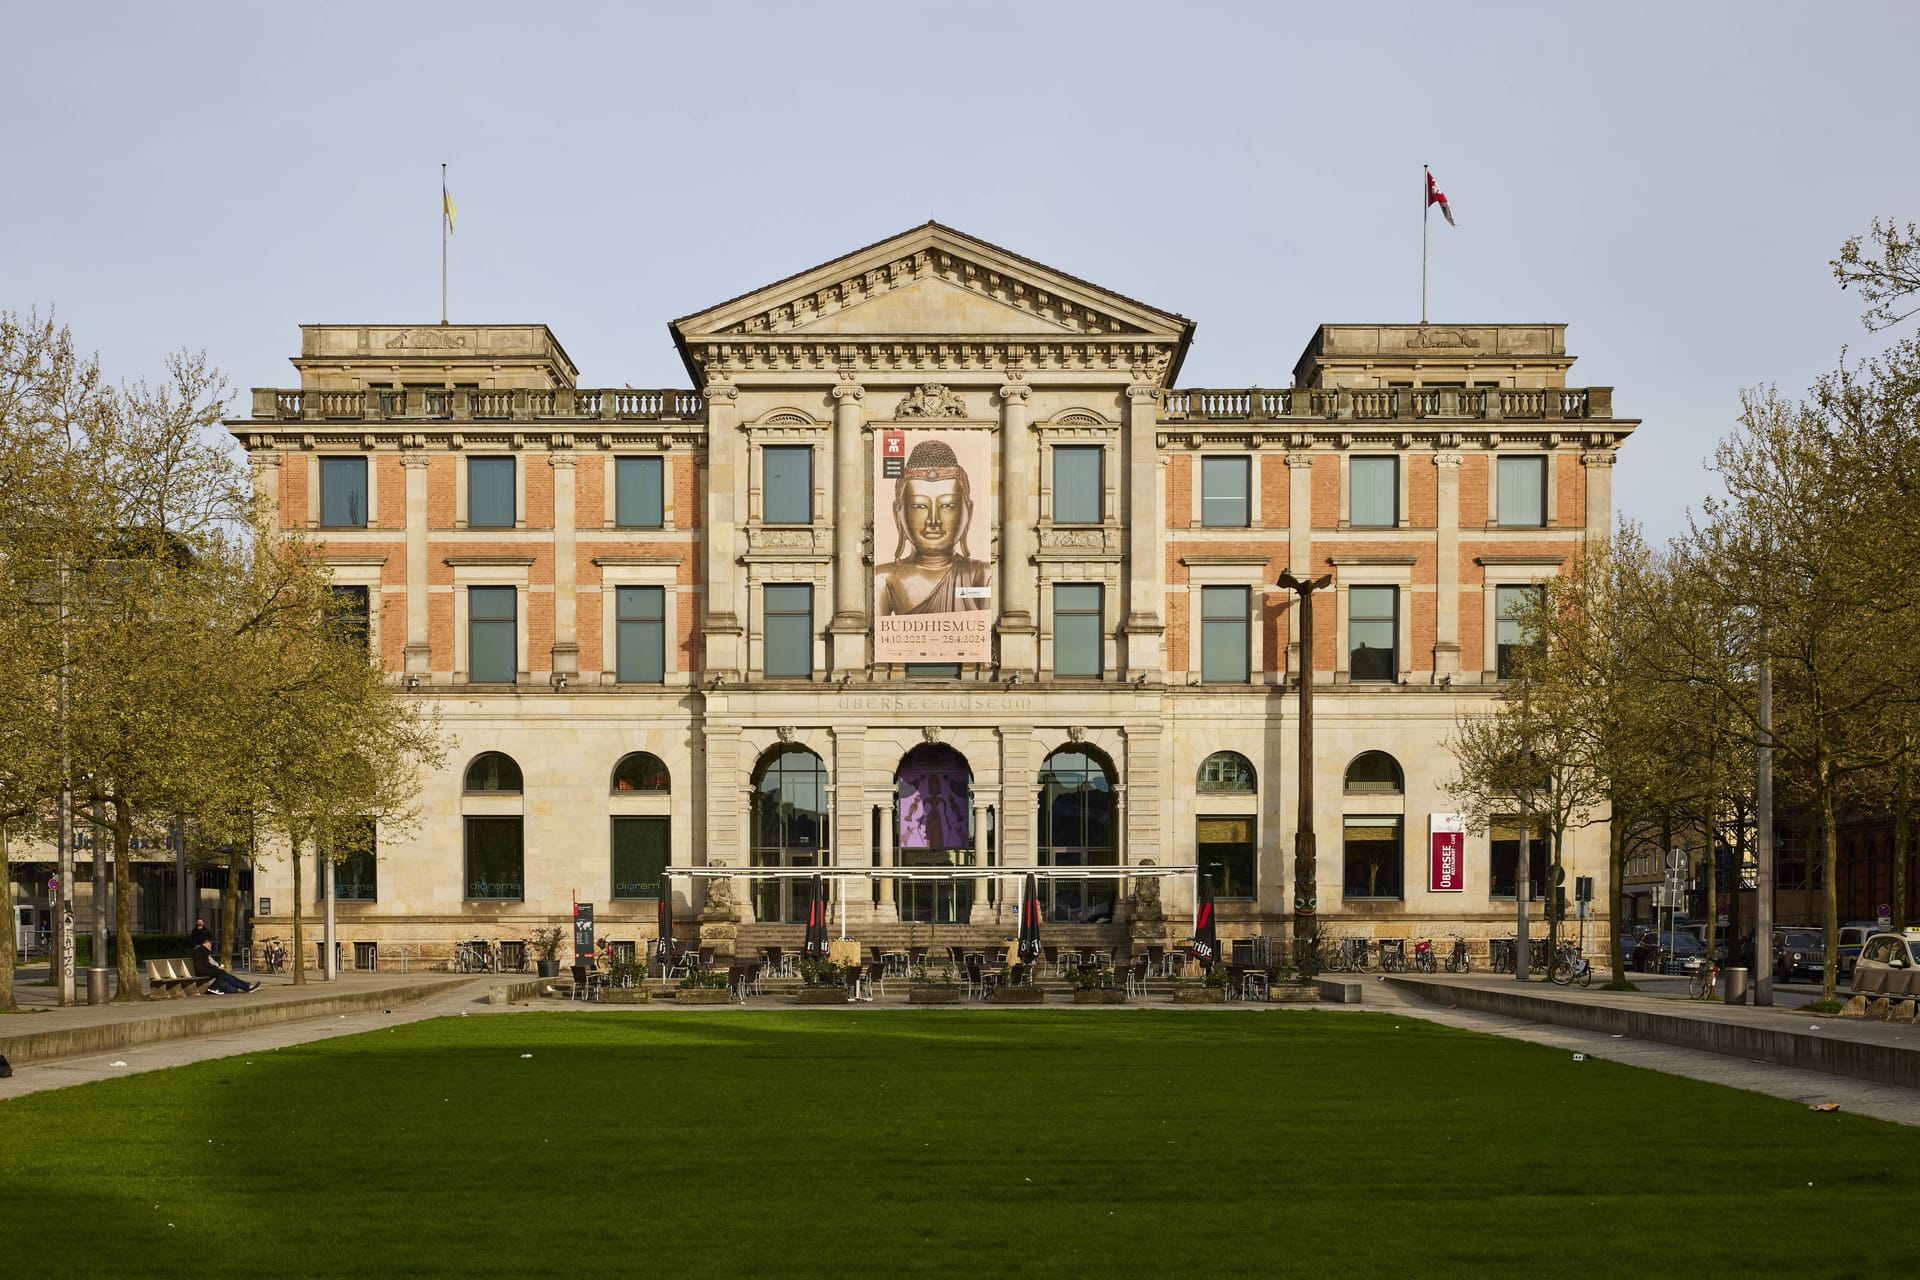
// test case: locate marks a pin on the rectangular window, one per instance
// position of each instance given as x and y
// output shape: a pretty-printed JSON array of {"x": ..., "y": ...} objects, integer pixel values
[
  {"x": 786, "y": 496},
  {"x": 1373, "y": 631},
  {"x": 639, "y": 493},
  {"x": 493, "y": 649},
  {"x": 639, "y": 855},
  {"x": 1503, "y": 850},
  {"x": 1373, "y": 856},
  {"x": 1225, "y": 847},
  {"x": 1076, "y": 484},
  {"x": 1523, "y": 492},
  {"x": 354, "y": 876},
  {"x": 1076, "y": 629},
  {"x": 789, "y": 631},
  {"x": 352, "y": 617},
  {"x": 1223, "y": 633},
  {"x": 1225, "y": 493},
  {"x": 1374, "y": 501},
  {"x": 495, "y": 857},
  {"x": 641, "y": 619},
  {"x": 490, "y": 502},
  {"x": 1510, "y": 634},
  {"x": 343, "y": 493}
]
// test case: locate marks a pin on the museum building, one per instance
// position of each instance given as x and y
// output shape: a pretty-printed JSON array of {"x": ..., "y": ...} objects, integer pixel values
[{"x": 934, "y": 576}]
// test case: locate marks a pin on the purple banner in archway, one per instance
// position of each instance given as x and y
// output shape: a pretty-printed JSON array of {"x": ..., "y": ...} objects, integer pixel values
[{"x": 936, "y": 790}]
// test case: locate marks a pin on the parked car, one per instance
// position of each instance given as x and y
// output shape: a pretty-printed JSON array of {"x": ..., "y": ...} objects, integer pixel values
[
  {"x": 1899, "y": 952},
  {"x": 1683, "y": 948},
  {"x": 1799, "y": 955},
  {"x": 1852, "y": 935}
]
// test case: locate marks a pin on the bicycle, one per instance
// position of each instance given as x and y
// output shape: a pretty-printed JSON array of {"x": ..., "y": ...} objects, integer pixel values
[
  {"x": 1569, "y": 967},
  {"x": 1423, "y": 959},
  {"x": 473, "y": 957},
  {"x": 273, "y": 955},
  {"x": 1393, "y": 955},
  {"x": 1501, "y": 953},
  {"x": 1459, "y": 961},
  {"x": 1701, "y": 981}
]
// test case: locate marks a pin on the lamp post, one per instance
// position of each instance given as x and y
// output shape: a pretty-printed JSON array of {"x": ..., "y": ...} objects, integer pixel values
[{"x": 1306, "y": 890}]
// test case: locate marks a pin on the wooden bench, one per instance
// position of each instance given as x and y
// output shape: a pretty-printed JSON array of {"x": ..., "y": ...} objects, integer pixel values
[{"x": 169, "y": 978}]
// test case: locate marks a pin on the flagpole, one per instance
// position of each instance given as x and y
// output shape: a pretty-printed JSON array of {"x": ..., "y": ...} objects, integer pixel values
[
  {"x": 1426, "y": 203},
  {"x": 443, "y": 251}
]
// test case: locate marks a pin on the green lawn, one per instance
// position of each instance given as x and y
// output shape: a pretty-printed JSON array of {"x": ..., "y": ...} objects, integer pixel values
[{"x": 964, "y": 1142}]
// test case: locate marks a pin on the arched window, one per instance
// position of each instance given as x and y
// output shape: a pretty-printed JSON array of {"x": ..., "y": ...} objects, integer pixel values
[
  {"x": 790, "y": 826},
  {"x": 933, "y": 813},
  {"x": 493, "y": 771},
  {"x": 1226, "y": 772},
  {"x": 1375, "y": 771},
  {"x": 640, "y": 771},
  {"x": 1077, "y": 830}
]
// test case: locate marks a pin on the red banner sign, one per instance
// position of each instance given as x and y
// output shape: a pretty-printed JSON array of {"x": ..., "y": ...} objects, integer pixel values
[{"x": 1446, "y": 843}]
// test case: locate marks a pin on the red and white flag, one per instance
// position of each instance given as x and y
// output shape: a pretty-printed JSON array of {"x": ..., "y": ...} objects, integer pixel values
[{"x": 1436, "y": 196}]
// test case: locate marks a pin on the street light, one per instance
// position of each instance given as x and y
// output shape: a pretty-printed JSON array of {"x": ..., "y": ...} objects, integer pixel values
[{"x": 1306, "y": 890}]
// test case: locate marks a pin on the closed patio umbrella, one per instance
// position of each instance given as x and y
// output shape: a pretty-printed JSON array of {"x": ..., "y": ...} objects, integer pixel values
[
  {"x": 815, "y": 945},
  {"x": 1206, "y": 939},
  {"x": 1029, "y": 948},
  {"x": 663, "y": 947}
]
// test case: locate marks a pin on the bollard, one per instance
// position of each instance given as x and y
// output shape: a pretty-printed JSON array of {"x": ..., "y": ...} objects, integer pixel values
[{"x": 1733, "y": 986}]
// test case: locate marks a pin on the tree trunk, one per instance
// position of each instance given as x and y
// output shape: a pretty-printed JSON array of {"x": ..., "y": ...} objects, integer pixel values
[
  {"x": 123, "y": 954},
  {"x": 8, "y": 943},
  {"x": 1616, "y": 875},
  {"x": 1830, "y": 869},
  {"x": 1900, "y": 806},
  {"x": 230, "y": 904},
  {"x": 299, "y": 936}
]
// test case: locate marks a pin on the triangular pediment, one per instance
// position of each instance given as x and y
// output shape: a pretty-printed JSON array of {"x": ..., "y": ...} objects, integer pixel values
[{"x": 930, "y": 282}]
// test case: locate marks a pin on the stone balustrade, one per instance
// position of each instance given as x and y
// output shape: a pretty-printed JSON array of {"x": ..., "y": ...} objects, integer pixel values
[{"x": 573, "y": 404}]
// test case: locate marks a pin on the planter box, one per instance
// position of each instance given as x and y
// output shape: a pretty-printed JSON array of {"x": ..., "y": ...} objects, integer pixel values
[
  {"x": 949, "y": 994},
  {"x": 1196, "y": 993},
  {"x": 1018, "y": 995},
  {"x": 703, "y": 995},
  {"x": 622, "y": 995},
  {"x": 1294, "y": 993},
  {"x": 820, "y": 995},
  {"x": 1100, "y": 995}
]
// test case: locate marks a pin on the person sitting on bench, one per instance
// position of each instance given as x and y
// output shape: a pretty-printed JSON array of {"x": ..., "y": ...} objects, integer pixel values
[{"x": 223, "y": 979}]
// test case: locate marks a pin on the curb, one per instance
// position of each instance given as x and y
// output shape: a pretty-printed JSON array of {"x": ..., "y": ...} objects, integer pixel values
[
  {"x": 45, "y": 1046},
  {"x": 1881, "y": 1063}
]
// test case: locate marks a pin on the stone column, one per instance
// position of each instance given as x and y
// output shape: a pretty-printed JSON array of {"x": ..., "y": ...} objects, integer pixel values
[
  {"x": 979, "y": 858},
  {"x": 1145, "y": 627},
  {"x": 566, "y": 640},
  {"x": 1299, "y": 541},
  {"x": 889, "y": 857},
  {"x": 1019, "y": 494},
  {"x": 419, "y": 648},
  {"x": 1599, "y": 465},
  {"x": 1446, "y": 573},
  {"x": 721, "y": 627},
  {"x": 847, "y": 633}
]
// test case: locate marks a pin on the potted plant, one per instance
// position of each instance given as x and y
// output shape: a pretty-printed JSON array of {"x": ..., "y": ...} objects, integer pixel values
[
  {"x": 1094, "y": 984},
  {"x": 1019, "y": 992},
  {"x": 925, "y": 987},
  {"x": 1211, "y": 989},
  {"x": 546, "y": 949},
  {"x": 626, "y": 983},
  {"x": 821, "y": 982},
  {"x": 703, "y": 986}
]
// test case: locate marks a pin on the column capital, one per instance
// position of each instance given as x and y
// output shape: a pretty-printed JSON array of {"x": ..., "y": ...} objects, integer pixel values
[
  {"x": 1139, "y": 392},
  {"x": 1598, "y": 458},
  {"x": 565, "y": 460},
  {"x": 1447, "y": 461},
  {"x": 720, "y": 390},
  {"x": 1299, "y": 458},
  {"x": 412, "y": 460},
  {"x": 848, "y": 391},
  {"x": 1015, "y": 393}
]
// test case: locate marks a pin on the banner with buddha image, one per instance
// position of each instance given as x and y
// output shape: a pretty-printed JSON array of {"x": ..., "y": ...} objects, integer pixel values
[{"x": 933, "y": 538}]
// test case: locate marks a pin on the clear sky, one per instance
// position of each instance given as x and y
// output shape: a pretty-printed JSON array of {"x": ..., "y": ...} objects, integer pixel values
[{"x": 1668, "y": 179}]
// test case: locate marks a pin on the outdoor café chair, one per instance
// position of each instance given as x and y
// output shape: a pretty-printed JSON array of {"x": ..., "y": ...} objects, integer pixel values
[
  {"x": 587, "y": 982},
  {"x": 1137, "y": 976},
  {"x": 876, "y": 979}
]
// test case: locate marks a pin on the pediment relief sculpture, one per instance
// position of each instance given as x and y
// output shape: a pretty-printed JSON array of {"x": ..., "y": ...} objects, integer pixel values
[
  {"x": 426, "y": 340},
  {"x": 934, "y": 400}
]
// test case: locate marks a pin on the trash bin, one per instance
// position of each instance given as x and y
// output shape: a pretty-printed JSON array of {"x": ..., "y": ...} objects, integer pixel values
[{"x": 1733, "y": 986}]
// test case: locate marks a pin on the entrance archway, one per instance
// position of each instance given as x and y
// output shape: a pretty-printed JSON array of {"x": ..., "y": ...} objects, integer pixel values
[
  {"x": 790, "y": 826},
  {"x": 933, "y": 827}
]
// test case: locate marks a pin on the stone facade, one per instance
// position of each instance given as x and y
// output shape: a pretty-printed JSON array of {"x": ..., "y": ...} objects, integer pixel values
[{"x": 1105, "y": 474}]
